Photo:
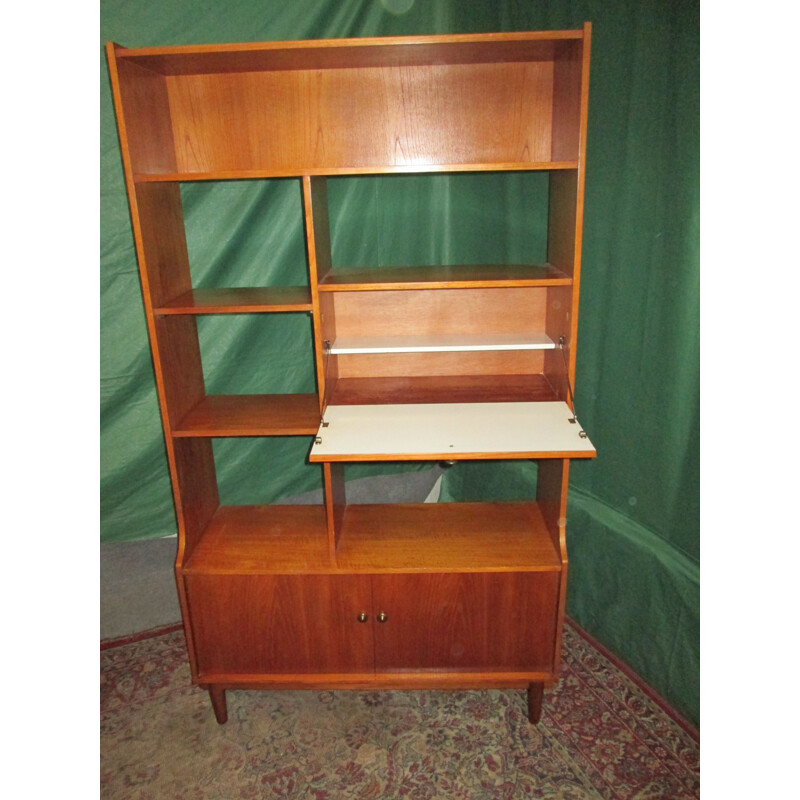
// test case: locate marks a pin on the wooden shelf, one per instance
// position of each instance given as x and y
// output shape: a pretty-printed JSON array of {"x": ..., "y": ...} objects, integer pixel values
[
  {"x": 443, "y": 277},
  {"x": 263, "y": 539},
  {"x": 441, "y": 389},
  {"x": 239, "y": 301},
  {"x": 377, "y": 169},
  {"x": 440, "y": 343},
  {"x": 445, "y": 537},
  {"x": 252, "y": 415},
  {"x": 313, "y": 54},
  {"x": 425, "y": 537},
  {"x": 449, "y": 431}
]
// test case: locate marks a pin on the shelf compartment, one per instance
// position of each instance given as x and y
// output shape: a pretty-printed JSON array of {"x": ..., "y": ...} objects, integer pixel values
[
  {"x": 252, "y": 415},
  {"x": 441, "y": 389},
  {"x": 400, "y": 105},
  {"x": 253, "y": 353},
  {"x": 263, "y": 539},
  {"x": 438, "y": 116},
  {"x": 245, "y": 300},
  {"x": 442, "y": 277},
  {"x": 440, "y": 343},
  {"x": 425, "y": 333},
  {"x": 449, "y": 431},
  {"x": 446, "y": 537}
]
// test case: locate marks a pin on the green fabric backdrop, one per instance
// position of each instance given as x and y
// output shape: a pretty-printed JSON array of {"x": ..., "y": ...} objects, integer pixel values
[{"x": 633, "y": 532}]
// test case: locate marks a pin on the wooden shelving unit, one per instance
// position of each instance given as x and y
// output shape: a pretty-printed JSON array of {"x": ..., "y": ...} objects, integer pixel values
[{"x": 422, "y": 362}]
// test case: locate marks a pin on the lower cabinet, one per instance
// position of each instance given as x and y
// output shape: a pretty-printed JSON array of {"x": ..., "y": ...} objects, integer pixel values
[
  {"x": 278, "y": 627},
  {"x": 279, "y": 624},
  {"x": 466, "y": 622}
]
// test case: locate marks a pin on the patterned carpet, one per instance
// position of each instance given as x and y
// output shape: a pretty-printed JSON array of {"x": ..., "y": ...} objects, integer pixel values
[{"x": 601, "y": 736}]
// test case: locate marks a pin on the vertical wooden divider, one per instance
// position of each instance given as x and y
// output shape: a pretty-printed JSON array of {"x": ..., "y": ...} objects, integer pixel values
[
  {"x": 565, "y": 213},
  {"x": 551, "y": 495},
  {"x": 318, "y": 243},
  {"x": 563, "y": 225},
  {"x": 335, "y": 503},
  {"x": 561, "y": 218}
]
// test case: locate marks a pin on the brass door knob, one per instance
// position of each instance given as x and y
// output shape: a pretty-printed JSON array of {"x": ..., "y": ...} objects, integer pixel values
[
  {"x": 362, "y": 617},
  {"x": 382, "y": 617}
]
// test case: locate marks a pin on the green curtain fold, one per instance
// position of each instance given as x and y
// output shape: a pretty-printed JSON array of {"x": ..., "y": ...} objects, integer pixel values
[{"x": 633, "y": 531}]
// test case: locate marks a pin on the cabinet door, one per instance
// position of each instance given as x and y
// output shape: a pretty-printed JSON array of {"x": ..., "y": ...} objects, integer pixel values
[
  {"x": 488, "y": 622},
  {"x": 280, "y": 624}
]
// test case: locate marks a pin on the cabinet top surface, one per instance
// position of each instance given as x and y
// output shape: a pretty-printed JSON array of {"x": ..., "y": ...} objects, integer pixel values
[{"x": 353, "y": 52}]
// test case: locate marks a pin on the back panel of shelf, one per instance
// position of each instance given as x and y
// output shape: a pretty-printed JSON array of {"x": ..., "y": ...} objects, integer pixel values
[
  {"x": 422, "y": 328},
  {"x": 345, "y": 118}
]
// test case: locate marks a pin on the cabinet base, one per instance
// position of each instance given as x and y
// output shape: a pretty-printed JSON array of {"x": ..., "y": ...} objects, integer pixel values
[
  {"x": 219, "y": 703},
  {"x": 535, "y": 697}
]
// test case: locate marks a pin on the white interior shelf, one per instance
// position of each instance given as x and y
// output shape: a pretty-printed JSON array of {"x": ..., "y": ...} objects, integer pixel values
[
  {"x": 441, "y": 343},
  {"x": 444, "y": 431}
]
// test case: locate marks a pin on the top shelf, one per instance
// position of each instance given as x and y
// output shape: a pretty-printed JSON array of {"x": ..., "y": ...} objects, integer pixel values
[
  {"x": 477, "y": 102},
  {"x": 392, "y": 51}
]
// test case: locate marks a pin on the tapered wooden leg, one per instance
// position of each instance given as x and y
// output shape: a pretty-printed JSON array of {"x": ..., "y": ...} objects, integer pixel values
[
  {"x": 218, "y": 704},
  {"x": 535, "y": 695}
]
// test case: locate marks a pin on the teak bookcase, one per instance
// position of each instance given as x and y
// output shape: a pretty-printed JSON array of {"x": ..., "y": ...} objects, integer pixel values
[{"x": 418, "y": 363}]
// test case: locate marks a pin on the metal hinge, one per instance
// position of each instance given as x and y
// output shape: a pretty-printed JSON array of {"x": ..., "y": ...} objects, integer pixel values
[
  {"x": 562, "y": 340},
  {"x": 322, "y": 424}
]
